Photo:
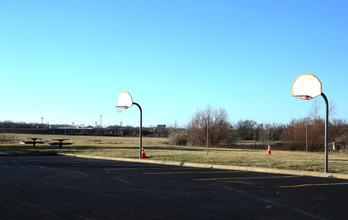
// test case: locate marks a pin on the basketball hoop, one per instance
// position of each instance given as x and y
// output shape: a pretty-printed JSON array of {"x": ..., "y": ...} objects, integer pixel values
[
  {"x": 306, "y": 87},
  {"x": 304, "y": 97},
  {"x": 125, "y": 101}
]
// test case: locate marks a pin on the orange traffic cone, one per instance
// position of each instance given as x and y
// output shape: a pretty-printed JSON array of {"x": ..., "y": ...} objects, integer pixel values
[
  {"x": 143, "y": 155},
  {"x": 269, "y": 149}
]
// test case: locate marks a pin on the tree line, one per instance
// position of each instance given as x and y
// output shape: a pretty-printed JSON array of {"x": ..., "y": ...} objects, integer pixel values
[
  {"x": 296, "y": 135},
  {"x": 249, "y": 133},
  {"x": 64, "y": 129}
]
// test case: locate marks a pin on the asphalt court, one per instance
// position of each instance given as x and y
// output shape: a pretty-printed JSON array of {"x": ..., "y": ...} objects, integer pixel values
[{"x": 56, "y": 187}]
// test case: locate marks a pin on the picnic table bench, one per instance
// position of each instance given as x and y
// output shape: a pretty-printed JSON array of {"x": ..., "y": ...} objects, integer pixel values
[
  {"x": 60, "y": 142},
  {"x": 33, "y": 141}
]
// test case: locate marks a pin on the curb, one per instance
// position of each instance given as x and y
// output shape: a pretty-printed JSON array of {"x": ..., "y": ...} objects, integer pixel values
[{"x": 215, "y": 166}]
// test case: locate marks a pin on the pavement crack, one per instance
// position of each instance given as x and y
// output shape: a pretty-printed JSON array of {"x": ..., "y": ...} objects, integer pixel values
[
  {"x": 120, "y": 178},
  {"x": 31, "y": 205},
  {"x": 69, "y": 173},
  {"x": 273, "y": 202}
]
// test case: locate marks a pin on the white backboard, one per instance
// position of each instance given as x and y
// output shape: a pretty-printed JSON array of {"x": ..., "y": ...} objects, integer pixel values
[
  {"x": 125, "y": 100},
  {"x": 306, "y": 87}
]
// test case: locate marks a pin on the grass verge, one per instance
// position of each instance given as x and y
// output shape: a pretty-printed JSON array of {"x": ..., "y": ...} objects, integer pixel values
[{"x": 159, "y": 149}]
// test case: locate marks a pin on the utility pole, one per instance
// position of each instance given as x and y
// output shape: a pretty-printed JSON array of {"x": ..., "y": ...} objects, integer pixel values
[
  {"x": 208, "y": 135},
  {"x": 306, "y": 134}
]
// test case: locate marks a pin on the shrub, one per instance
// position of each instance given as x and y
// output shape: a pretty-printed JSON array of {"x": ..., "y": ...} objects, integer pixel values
[
  {"x": 178, "y": 137},
  {"x": 6, "y": 138}
]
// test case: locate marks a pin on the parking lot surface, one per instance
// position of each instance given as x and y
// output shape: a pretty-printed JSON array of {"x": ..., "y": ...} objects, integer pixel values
[{"x": 58, "y": 187}]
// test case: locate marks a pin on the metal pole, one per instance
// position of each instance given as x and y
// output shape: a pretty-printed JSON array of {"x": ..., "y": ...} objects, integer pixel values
[
  {"x": 208, "y": 135},
  {"x": 306, "y": 134},
  {"x": 326, "y": 133},
  {"x": 140, "y": 129}
]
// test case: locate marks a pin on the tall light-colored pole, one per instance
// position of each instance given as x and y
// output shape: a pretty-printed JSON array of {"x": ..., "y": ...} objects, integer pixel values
[
  {"x": 208, "y": 135},
  {"x": 306, "y": 134}
]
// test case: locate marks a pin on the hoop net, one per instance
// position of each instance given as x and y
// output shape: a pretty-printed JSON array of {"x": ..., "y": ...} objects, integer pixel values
[{"x": 120, "y": 108}]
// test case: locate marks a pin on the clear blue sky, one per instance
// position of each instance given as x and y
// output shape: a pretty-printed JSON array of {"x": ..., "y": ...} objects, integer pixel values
[{"x": 68, "y": 61}]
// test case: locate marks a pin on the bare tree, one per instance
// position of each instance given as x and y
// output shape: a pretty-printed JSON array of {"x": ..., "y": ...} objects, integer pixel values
[
  {"x": 314, "y": 113},
  {"x": 216, "y": 120},
  {"x": 295, "y": 134},
  {"x": 316, "y": 107},
  {"x": 266, "y": 134},
  {"x": 338, "y": 127},
  {"x": 246, "y": 129}
]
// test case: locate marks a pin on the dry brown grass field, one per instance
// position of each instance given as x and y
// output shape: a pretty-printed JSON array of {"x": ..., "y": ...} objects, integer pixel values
[{"x": 160, "y": 149}]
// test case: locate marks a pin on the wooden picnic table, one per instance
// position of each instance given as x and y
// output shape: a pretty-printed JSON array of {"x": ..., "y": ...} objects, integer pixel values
[
  {"x": 60, "y": 142},
  {"x": 33, "y": 141}
]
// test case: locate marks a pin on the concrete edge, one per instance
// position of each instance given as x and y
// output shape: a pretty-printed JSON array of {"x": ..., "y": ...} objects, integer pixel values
[{"x": 215, "y": 166}]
